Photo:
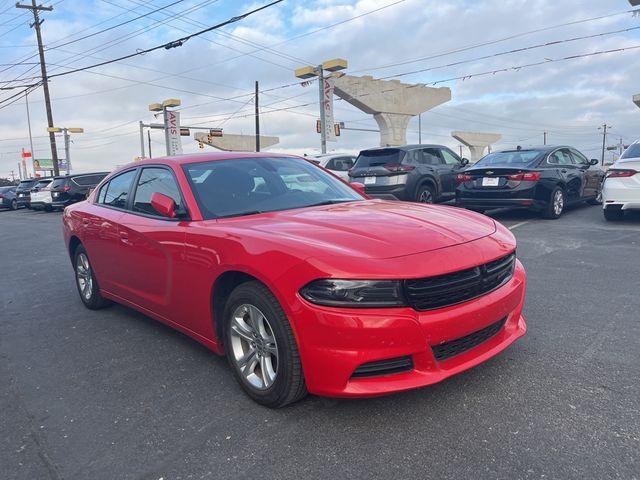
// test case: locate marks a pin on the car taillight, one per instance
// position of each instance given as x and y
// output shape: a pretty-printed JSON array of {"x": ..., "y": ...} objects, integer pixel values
[
  {"x": 525, "y": 177},
  {"x": 66, "y": 188},
  {"x": 618, "y": 173},
  {"x": 396, "y": 167},
  {"x": 463, "y": 177}
]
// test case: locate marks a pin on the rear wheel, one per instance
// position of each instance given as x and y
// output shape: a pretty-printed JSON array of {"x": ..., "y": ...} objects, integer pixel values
[
  {"x": 555, "y": 207},
  {"x": 14, "y": 204},
  {"x": 613, "y": 213},
  {"x": 261, "y": 348},
  {"x": 426, "y": 194},
  {"x": 86, "y": 281}
]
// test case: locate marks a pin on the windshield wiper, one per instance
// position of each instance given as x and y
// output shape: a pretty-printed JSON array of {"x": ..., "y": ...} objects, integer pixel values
[
  {"x": 241, "y": 214},
  {"x": 329, "y": 202}
]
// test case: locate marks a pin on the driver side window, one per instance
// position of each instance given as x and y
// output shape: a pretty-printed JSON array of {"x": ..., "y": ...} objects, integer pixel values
[{"x": 155, "y": 180}]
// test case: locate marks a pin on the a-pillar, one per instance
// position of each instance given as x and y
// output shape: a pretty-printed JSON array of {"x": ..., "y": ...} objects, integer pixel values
[
  {"x": 391, "y": 103},
  {"x": 477, "y": 142}
]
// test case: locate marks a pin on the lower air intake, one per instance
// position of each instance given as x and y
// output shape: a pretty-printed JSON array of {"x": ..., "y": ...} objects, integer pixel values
[
  {"x": 462, "y": 344},
  {"x": 384, "y": 367}
]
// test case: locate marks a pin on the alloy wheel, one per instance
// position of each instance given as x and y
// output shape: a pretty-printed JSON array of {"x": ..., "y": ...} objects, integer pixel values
[
  {"x": 84, "y": 276},
  {"x": 558, "y": 202},
  {"x": 425, "y": 197},
  {"x": 253, "y": 346}
]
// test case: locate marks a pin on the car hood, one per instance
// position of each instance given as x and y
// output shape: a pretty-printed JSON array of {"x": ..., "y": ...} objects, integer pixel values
[{"x": 367, "y": 229}]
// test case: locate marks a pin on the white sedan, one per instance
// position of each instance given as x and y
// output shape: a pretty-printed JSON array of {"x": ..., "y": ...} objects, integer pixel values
[
  {"x": 621, "y": 189},
  {"x": 338, "y": 163}
]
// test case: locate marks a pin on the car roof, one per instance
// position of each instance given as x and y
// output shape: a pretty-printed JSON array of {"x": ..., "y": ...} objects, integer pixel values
[
  {"x": 204, "y": 157},
  {"x": 540, "y": 148}
]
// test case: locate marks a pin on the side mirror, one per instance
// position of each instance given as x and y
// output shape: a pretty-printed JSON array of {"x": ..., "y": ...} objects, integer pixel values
[
  {"x": 594, "y": 161},
  {"x": 359, "y": 187},
  {"x": 164, "y": 205},
  {"x": 464, "y": 162}
]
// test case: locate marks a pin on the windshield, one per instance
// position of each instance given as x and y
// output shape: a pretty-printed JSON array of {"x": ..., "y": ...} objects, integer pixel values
[
  {"x": 632, "y": 152},
  {"x": 378, "y": 158},
  {"x": 515, "y": 158},
  {"x": 58, "y": 183},
  {"x": 228, "y": 188},
  {"x": 42, "y": 183}
]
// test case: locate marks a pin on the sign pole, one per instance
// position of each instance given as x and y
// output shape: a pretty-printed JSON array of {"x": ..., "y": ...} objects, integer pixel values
[{"x": 323, "y": 131}]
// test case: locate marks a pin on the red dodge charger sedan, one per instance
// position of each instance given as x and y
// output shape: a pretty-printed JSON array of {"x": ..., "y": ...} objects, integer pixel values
[{"x": 302, "y": 281}]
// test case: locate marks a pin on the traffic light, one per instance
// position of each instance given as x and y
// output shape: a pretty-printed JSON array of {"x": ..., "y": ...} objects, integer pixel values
[
  {"x": 318, "y": 126},
  {"x": 336, "y": 129},
  {"x": 200, "y": 145}
]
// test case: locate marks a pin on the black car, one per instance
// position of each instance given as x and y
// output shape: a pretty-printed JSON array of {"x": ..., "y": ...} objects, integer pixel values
[
  {"x": 69, "y": 189},
  {"x": 23, "y": 192},
  {"x": 544, "y": 179},
  {"x": 8, "y": 198},
  {"x": 420, "y": 173}
]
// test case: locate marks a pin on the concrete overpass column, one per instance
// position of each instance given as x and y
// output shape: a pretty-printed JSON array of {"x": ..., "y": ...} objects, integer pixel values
[
  {"x": 636, "y": 99},
  {"x": 393, "y": 128},
  {"x": 391, "y": 103},
  {"x": 476, "y": 141}
]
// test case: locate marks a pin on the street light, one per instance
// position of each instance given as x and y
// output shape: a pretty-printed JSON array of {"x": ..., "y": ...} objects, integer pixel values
[
  {"x": 162, "y": 107},
  {"x": 66, "y": 131},
  {"x": 309, "y": 72}
]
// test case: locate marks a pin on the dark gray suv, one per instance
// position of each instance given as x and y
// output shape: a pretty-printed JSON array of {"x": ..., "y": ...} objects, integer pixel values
[{"x": 415, "y": 173}]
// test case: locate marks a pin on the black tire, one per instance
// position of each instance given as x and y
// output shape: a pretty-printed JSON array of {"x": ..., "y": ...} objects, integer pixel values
[
  {"x": 613, "y": 213},
  {"x": 426, "y": 194},
  {"x": 14, "y": 204},
  {"x": 288, "y": 386},
  {"x": 554, "y": 209},
  {"x": 91, "y": 297}
]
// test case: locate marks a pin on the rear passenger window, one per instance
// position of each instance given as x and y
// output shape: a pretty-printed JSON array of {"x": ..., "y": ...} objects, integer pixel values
[
  {"x": 116, "y": 191},
  {"x": 155, "y": 180}
]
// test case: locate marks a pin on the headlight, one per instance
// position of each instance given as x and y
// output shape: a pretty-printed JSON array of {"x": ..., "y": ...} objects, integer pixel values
[{"x": 355, "y": 293}]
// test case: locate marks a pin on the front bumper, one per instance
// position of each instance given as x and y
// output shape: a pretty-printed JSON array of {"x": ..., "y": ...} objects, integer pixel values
[{"x": 337, "y": 341}]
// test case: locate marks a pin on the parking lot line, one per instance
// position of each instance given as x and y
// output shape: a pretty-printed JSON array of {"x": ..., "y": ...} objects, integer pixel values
[{"x": 513, "y": 227}]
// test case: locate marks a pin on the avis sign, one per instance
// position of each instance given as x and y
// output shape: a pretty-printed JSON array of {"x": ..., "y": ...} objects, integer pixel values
[
  {"x": 173, "y": 133},
  {"x": 327, "y": 105}
]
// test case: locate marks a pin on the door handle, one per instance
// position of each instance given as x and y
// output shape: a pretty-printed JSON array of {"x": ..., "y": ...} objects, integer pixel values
[{"x": 124, "y": 237}]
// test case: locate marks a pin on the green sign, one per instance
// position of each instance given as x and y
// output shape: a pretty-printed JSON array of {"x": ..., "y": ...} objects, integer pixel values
[{"x": 46, "y": 164}]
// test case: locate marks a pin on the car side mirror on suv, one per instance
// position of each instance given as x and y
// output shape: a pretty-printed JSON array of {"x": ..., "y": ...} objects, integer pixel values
[
  {"x": 594, "y": 161},
  {"x": 464, "y": 162}
]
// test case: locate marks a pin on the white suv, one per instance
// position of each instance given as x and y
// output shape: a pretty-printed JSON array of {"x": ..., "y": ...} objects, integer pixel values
[
  {"x": 621, "y": 189},
  {"x": 41, "y": 195}
]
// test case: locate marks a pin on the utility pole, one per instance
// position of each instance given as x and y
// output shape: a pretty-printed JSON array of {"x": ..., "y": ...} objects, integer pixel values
[
  {"x": 604, "y": 139},
  {"x": 141, "y": 139},
  {"x": 45, "y": 82},
  {"x": 257, "y": 120},
  {"x": 544, "y": 138},
  {"x": 149, "y": 138},
  {"x": 420, "y": 128}
]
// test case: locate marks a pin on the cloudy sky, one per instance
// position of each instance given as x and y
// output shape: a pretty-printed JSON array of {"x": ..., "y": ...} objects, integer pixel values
[{"x": 417, "y": 41}]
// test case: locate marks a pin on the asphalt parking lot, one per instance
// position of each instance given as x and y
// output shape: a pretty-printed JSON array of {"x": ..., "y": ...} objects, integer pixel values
[{"x": 115, "y": 395}]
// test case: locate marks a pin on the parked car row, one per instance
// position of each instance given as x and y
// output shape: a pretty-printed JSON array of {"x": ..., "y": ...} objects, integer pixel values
[
  {"x": 543, "y": 179},
  {"x": 55, "y": 193}
]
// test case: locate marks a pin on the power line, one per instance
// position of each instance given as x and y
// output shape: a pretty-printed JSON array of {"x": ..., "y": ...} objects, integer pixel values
[
  {"x": 515, "y": 50},
  {"x": 500, "y": 40}
]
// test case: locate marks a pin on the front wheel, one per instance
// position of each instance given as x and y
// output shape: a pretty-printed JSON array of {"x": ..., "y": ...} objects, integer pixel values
[
  {"x": 261, "y": 348},
  {"x": 86, "y": 281},
  {"x": 555, "y": 207}
]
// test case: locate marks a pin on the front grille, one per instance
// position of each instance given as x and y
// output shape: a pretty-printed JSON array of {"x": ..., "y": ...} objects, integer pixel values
[
  {"x": 462, "y": 344},
  {"x": 384, "y": 367},
  {"x": 457, "y": 287}
]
